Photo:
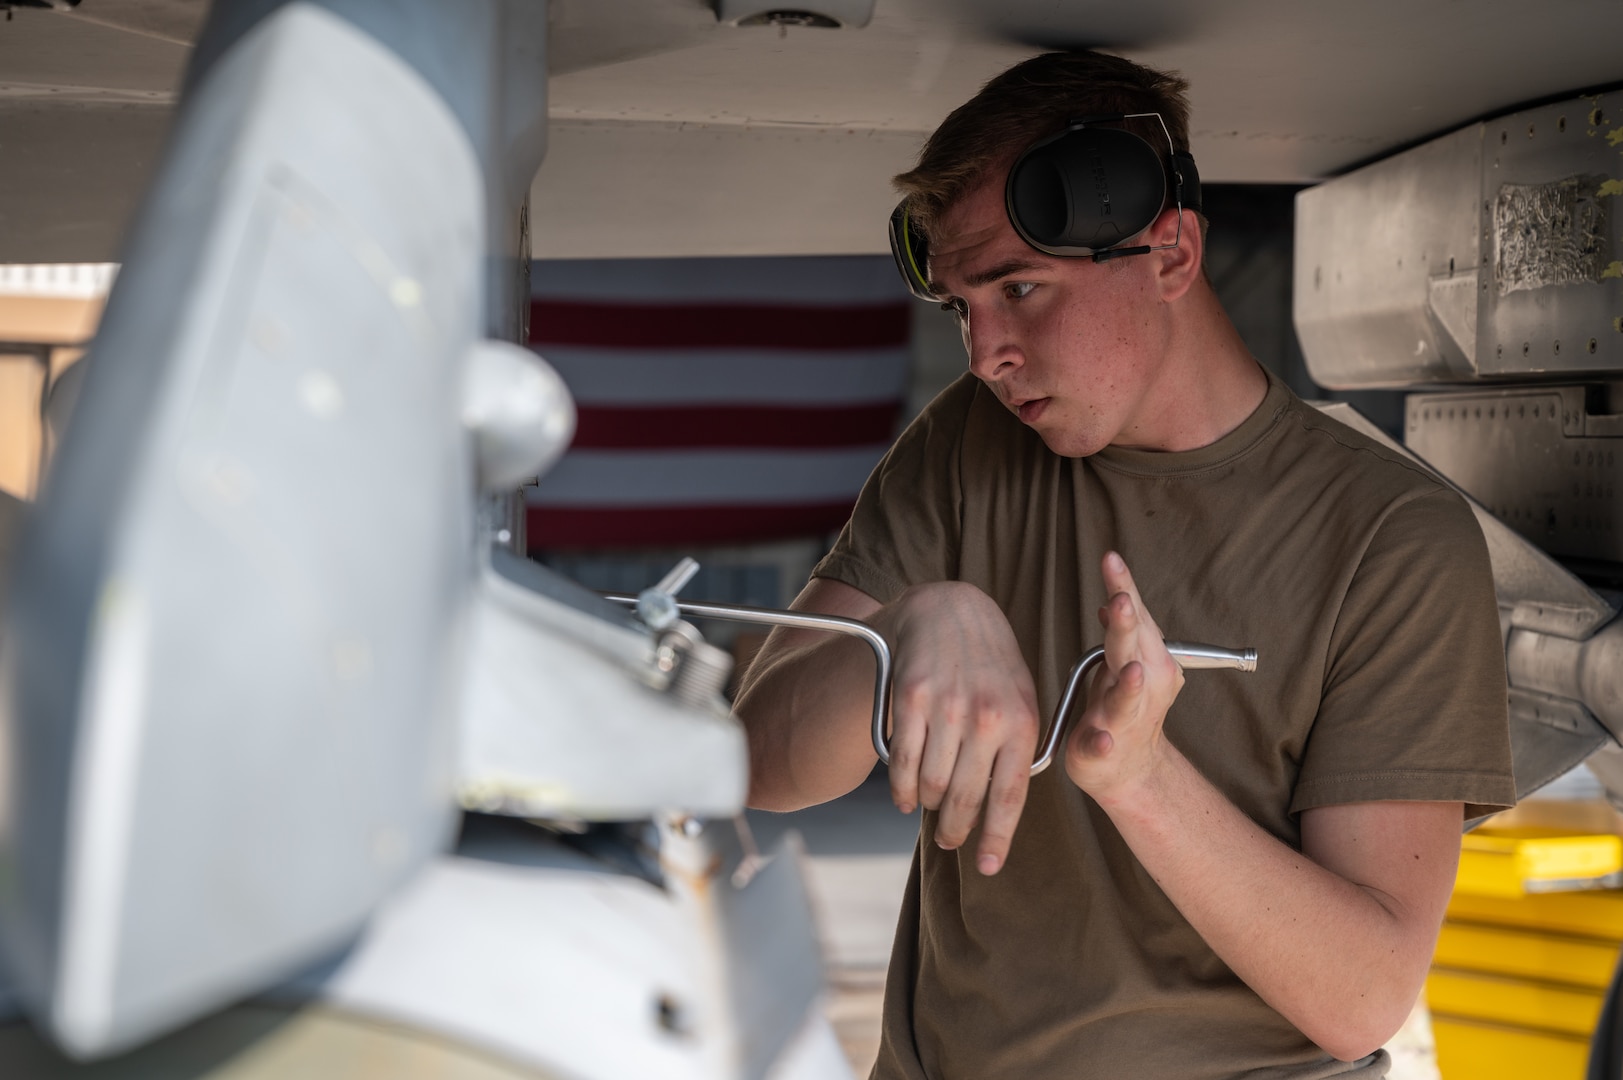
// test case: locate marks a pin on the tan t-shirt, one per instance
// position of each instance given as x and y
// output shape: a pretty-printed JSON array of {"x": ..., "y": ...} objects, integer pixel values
[{"x": 1364, "y": 585}]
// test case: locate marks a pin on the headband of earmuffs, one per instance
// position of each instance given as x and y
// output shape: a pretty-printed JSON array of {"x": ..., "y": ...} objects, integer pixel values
[{"x": 1078, "y": 194}]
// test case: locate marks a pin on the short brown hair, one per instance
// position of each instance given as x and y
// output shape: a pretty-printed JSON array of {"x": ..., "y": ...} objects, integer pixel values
[{"x": 1033, "y": 99}]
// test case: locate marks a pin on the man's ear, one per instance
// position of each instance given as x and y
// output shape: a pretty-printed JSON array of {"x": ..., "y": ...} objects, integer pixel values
[{"x": 1178, "y": 267}]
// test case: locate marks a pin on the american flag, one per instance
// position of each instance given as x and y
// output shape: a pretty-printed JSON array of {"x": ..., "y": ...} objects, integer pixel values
[{"x": 720, "y": 400}]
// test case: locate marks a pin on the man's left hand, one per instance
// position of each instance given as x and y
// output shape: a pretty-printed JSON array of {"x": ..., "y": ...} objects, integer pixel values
[{"x": 1117, "y": 744}]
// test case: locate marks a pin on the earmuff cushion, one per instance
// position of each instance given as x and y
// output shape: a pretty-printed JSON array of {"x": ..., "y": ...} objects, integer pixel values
[
  {"x": 1039, "y": 190},
  {"x": 1085, "y": 190}
]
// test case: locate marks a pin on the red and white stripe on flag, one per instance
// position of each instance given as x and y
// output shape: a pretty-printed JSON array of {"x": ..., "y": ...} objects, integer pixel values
[{"x": 719, "y": 400}]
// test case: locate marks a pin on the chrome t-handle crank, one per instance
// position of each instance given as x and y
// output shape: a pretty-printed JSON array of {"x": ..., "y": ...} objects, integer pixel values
[{"x": 1189, "y": 655}]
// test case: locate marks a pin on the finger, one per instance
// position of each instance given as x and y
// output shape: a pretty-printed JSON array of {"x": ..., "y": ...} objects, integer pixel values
[
  {"x": 972, "y": 770},
  {"x": 908, "y": 717},
  {"x": 1122, "y": 645},
  {"x": 1005, "y": 799},
  {"x": 1123, "y": 701},
  {"x": 1119, "y": 579},
  {"x": 942, "y": 739},
  {"x": 1103, "y": 677},
  {"x": 1090, "y": 743},
  {"x": 1114, "y": 699}
]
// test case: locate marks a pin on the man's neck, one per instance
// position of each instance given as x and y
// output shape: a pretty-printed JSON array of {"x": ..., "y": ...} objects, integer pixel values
[{"x": 1207, "y": 385}]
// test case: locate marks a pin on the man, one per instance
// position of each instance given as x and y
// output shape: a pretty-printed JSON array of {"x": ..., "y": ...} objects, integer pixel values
[{"x": 1241, "y": 875}]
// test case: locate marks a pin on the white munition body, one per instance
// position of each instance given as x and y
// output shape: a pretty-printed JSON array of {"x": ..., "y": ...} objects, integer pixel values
[{"x": 238, "y": 725}]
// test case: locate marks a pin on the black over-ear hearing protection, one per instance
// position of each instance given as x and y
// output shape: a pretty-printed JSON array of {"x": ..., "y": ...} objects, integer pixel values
[{"x": 1077, "y": 193}]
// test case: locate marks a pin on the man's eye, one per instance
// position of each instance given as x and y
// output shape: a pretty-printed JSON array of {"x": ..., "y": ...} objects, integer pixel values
[{"x": 1017, "y": 289}]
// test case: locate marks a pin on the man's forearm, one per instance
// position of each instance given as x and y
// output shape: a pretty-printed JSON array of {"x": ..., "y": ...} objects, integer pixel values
[
  {"x": 1341, "y": 961},
  {"x": 808, "y": 710}
]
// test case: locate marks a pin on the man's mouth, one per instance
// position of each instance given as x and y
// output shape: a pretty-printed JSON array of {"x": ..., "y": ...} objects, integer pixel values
[{"x": 1031, "y": 409}]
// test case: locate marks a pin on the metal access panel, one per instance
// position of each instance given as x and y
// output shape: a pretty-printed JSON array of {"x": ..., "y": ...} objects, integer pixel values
[
  {"x": 1547, "y": 461},
  {"x": 1491, "y": 252}
]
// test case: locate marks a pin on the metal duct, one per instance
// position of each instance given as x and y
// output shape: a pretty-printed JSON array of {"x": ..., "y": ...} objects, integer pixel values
[{"x": 1486, "y": 254}]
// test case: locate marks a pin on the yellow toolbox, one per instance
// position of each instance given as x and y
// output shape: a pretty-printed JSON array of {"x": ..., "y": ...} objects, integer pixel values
[
  {"x": 1466, "y": 1048},
  {"x": 1528, "y": 945},
  {"x": 1516, "y": 862}
]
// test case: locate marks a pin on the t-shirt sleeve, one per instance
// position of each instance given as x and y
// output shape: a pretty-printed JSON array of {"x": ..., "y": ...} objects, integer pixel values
[
  {"x": 1414, "y": 702},
  {"x": 905, "y": 528}
]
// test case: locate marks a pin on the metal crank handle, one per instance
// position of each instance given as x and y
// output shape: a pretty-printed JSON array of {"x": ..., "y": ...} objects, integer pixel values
[
  {"x": 1189, "y": 655},
  {"x": 805, "y": 621}
]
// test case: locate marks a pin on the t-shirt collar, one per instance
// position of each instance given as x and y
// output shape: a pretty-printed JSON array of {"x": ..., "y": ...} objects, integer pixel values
[{"x": 1252, "y": 430}]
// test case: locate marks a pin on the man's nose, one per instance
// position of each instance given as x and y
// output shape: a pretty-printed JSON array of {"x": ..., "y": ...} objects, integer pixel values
[{"x": 993, "y": 349}]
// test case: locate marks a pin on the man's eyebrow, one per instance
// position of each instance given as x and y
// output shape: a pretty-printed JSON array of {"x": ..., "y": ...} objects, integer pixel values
[{"x": 986, "y": 277}]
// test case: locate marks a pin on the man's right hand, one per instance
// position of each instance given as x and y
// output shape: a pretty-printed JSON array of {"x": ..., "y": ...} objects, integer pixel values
[{"x": 964, "y": 722}]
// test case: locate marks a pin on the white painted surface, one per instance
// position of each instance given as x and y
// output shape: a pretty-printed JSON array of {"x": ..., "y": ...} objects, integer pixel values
[
  {"x": 672, "y": 135},
  {"x": 558, "y": 969}
]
